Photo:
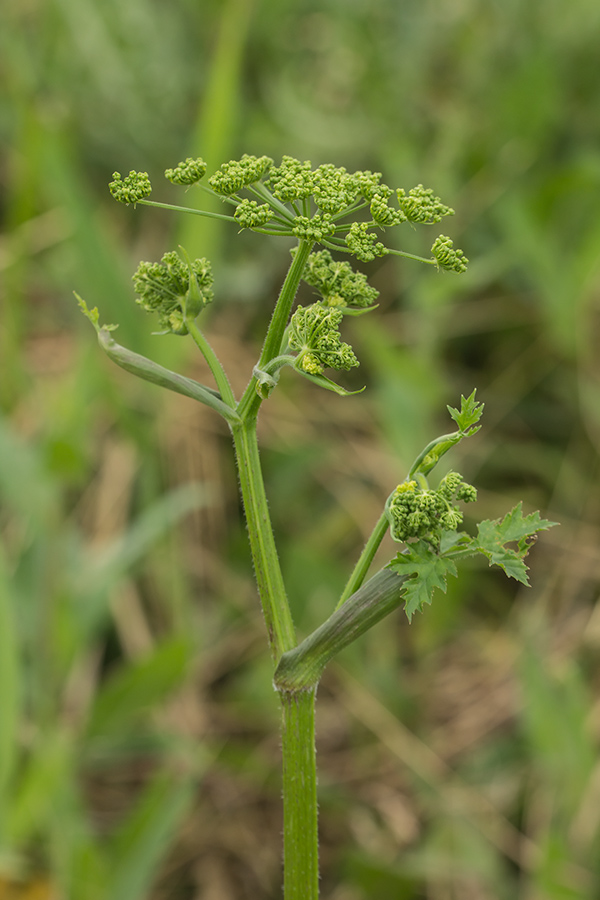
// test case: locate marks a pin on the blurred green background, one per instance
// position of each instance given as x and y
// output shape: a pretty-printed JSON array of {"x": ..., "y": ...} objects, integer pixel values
[{"x": 138, "y": 728}]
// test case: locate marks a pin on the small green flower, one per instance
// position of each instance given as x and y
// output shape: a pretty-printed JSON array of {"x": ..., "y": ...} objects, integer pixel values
[
  {"x": 422, "y": 206},
  {"x": 447, "y": 257},
  {"x": 314, "y": 333},
  {"x": 165, "y": 287},
  {"x": 132, "y": 188},
  {"x": 188, "y": 172}
]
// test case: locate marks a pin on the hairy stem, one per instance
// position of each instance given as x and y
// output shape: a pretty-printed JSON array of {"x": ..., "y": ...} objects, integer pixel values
[
  {"x": 300, "y": 834},
  {"x": 361, "y": 568},
  {"x": 250, "y": 402},
  {"x": 157, "y": 374},
  {"x": 278, "y": 619},
  {"x": 211, "y": 358},
  {"x": 301, "y": 667}
]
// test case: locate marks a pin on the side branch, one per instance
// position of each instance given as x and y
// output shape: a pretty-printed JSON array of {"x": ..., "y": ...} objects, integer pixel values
[
  {"x": 157, "y": 374},
  {"x": 301, "y": 668}
]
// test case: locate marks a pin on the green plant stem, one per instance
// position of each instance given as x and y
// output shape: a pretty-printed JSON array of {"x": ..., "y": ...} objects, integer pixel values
[
  {"x": 276, "y": 611},
  {"x": 186, "y": 209},
  {"x": 250, "y": 402},
  {"x": 300, "y": 834},
  {"x": 361, "y": 568},
  {"x": 301, "y": 667},
  {"x": 211, "y": 358},
  {"x": 157, "y": 374}
]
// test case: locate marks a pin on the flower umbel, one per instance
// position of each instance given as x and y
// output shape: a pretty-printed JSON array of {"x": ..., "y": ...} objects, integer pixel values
[
  {"x": 132, "y": 188},
  {"x": 416, "y": 512},
  {"x": 188, "y": 172},
  {"x": 314, "y": 333},
  {"x": 171, "y": 286},
  {"x": 422, "y": 206},
  {"x": 338, "y": 283},
  {"x": 448, "y": 258}
]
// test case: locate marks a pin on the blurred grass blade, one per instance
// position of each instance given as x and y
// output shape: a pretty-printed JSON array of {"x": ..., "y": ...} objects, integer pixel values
[
  {"x": 24, "y": 485},
  {"x": 140, "y": 845},
  {"x": 214, "y": 137},
  {"x": 131, "y": 691},
  {"x": 9, "y": 687},
  {"x": 113, "y": 561}
]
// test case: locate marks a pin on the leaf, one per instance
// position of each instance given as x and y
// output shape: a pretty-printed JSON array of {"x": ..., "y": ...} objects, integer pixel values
[
  {"x": 327, "y": 383},
  {"x": 470, "y": 413},
  {"x": 426, "y": 571},
  {"x": 494, "y": 534}
]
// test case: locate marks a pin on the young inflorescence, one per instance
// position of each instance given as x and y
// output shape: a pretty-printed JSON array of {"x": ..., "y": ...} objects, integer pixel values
[
  {"x": 174, "y": 289},
  {"x": 314, "y": 333},
  {"x": 341, "y": 210},
  {"x": 417, "y": 512}
]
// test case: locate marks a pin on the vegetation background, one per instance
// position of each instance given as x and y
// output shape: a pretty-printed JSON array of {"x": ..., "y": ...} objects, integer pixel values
[{"x": 138, "y": 727}]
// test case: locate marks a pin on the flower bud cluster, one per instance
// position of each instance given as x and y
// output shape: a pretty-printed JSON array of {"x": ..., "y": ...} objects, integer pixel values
[
  {"x": 447, "y": 257},
  {"x": 232, "y": 176},
  {"x": 421, "y": 206},
  {"x": 313, "y": 229},
  {"x": 135, "y": 186},
  {"x": 165, "y": 287},
  {"x": 250, "y": 215},
  {"x": 363, "y": 243},
  {"x": 292, "y": 180},
  {"x": 314, "y": 333},
  {"x": 188, "y": 172},
  {"x": 338, "y": 283},
  {"x": 416, "y": 512},
  {"x": 382, "y": 213},
  {"x": 333, "y": 189}
]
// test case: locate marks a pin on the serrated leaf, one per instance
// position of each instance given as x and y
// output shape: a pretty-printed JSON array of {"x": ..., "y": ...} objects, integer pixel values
[
  {"x": 426, "y": 571},
  {"x": 469, "y": 414},
  {"x": 494, "y": 534}
]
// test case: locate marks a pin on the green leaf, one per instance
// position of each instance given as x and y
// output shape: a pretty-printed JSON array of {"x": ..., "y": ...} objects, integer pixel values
[
  {"x": 494, "y": 534},
  {"x": 470, "y": 413},
  {"x": 426, "y": 571},
  {"x": 328, "y": 384}
]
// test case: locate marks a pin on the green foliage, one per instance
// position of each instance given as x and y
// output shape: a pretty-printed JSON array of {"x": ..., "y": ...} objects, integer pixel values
[{"x": 428, "y": 565}]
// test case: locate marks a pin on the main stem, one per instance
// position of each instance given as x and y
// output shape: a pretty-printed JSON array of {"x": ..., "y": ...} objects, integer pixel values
[
  {"x": 300, "y": 834},
  {"x": 301, "y": 845}
]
